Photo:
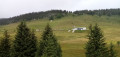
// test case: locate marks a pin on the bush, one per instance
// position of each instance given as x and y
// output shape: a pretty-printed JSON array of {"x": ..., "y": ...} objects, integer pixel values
[{"x": 118, "y": 43}]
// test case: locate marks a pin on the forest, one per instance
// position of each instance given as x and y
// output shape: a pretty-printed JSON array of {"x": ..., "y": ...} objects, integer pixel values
[{"x": 54, "y": 14}]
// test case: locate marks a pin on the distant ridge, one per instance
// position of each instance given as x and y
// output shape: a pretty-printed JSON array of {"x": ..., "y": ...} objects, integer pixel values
[
  {"x": 3, "y": 18},
  {"x": 55, "y": 14}
]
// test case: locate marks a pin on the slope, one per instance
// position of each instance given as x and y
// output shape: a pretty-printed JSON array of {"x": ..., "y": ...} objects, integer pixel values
[{"x": 73, "y": 43}]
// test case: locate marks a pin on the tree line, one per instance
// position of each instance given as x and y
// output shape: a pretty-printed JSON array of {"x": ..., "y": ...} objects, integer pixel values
[
  {"x": 100, "y": 12},
  {"x": 57, "y": 14},
  {"x": 35, "y": 15},
  {"x": 26, "y": 44}
]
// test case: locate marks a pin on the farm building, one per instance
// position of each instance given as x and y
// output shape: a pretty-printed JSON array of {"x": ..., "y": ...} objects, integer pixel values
[{"x": 80, "y": 28}]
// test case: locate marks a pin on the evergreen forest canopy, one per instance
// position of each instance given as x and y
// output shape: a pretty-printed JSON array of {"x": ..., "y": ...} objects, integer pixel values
[{"x": 57, "y": 14}]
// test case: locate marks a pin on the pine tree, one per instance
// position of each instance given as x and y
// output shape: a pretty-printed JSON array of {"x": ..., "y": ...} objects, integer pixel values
[
  {"x": 33, "y": 44},
  {"x": 5, "y": 45},
  {"x": 49, "y": 47},
  {"x": 112, "y": 52},
  {"x": 25, "y": 42},
  {"x": 96, "y": 47}
]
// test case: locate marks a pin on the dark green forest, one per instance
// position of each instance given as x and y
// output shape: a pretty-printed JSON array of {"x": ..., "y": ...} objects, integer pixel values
[{"x": 57, "y": 14}]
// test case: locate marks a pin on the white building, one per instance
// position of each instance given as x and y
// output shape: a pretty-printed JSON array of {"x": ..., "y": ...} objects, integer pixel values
[{"x": 80, "y": 28}]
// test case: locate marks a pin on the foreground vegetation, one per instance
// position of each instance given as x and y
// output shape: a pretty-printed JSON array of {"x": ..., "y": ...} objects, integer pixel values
[
  {"x": 25, "y": 44},
  {"x": 73, "y": 44}
]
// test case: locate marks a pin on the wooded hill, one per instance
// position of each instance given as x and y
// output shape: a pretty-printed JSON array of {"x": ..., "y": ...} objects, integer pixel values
[{"x": 57, "y": 14}]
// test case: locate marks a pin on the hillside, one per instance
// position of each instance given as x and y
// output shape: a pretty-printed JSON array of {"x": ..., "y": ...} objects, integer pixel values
[{"x": 73, "y": 43}]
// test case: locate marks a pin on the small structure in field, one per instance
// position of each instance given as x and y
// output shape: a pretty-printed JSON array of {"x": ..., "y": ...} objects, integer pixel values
[
  {"x": 69, "y": 30},
  {"x": 37, "y": 29},
  {"x": 80, "y": 28},
  {"x": 51, "y": 20}
]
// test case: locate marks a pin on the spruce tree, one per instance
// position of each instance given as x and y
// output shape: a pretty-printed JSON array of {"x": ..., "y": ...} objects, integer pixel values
[
  {"x": 33, "y": 44},
  {"x": 96, "y": 47},
  {"x": 25, "y": 42},
  {"x": 5, "y": 45},
  {"x": 112, "y": 52},
  {"x": 49, "y": 47}
]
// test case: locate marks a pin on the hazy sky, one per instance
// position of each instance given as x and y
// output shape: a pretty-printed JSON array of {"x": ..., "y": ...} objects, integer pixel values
[{"x": 10, "y": 8}]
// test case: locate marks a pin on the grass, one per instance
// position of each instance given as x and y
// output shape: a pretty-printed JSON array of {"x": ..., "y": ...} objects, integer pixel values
[{"x": 73, "y": 43}]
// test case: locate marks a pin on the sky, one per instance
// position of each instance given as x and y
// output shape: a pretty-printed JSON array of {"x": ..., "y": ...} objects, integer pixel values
[{"x": 10, "y": 8}]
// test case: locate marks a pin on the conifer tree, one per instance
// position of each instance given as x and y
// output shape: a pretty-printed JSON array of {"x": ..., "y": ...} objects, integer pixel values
[
  {"x": 49, "y": 47},
  {"x": 33, "y": 44},
  {"x": 112, "y": 52},
  {"x": 96, "y": 47},
  {"x": 5, "y": 45},
  {"x": 25, "y": 42}
]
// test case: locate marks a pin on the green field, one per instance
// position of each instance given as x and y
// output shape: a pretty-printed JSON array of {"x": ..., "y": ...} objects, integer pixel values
[{"x": 73, "y": 43}]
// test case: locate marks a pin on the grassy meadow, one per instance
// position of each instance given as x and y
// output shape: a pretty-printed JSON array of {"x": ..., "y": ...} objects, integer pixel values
[{"x": 73, "y": 43}]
